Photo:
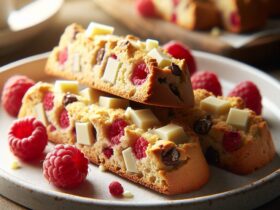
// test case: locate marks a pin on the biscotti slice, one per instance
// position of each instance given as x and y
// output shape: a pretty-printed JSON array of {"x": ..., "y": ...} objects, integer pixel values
[
  {"x": 131, "y": 143},
  {"x": 123, "y": 66}
]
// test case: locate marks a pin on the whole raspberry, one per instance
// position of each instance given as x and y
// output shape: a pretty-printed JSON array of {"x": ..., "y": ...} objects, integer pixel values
[
  {"x": 180, "y": 51},
  {"x": 13, "y": 92},
  {"x": 116, "y": 189},
  {"x": 116, "y": 131},
  {"x": 65, "y": 166},
  {"x": 27, "y": 138},
  {"x": 139, "y": 147},
  {"x": 250, "y": 93},
  {"x": 48, "y": 101},
  {"x": 63, "y": 56},
  {"x": 108, "y": 152},
  {"x": 207, "y": 80},
  {"x": 64, "y": 119},
  {"x": 146, "y": 8},
  {"x": 232, "y": 141},
  {"x": 140, "y": 73}
]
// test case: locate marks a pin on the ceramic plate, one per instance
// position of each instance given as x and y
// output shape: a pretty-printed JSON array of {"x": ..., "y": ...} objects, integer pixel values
[{"x": 28, "y": 187}]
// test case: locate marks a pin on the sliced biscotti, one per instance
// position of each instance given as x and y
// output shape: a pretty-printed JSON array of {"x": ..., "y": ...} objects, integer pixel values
[
  {"x": 123, "y": 66},
  {"x": 131, "y": 143}
]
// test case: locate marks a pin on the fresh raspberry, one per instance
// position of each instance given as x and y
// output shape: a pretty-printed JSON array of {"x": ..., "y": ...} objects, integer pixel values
[
  {"x": 65, "y": 166},
  {"x": 52, "y": 128},
  {"x": 13, "y": 92},
  {"x": 116, "y": 131},
  {"x": 146, "y": 8},
  {"x": 232, "y": 141},
  {"x": 108, "y": 152},
  {"x": 64, "y": 119},
  {"x": 207, "y": 80},
  {"x": 140, "y": 73},
  {"x": 27, "y": 138},
  {"x": 180, "y": 51},
  {"x": 250, "y": 93},
  {"x": 63, "y": 56},
  {"x": 48, "y": 101},
  {"x": 116, "y": 189},
  {"x": 139, "y": 148}
]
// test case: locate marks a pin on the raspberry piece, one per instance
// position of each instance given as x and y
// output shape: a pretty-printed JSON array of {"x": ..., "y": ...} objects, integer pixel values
[
  {"x": 139, "y": 148},
  {"x": 116, "y": 131},
  {"x": 48, "y": 101},
  {"x": 250, "y": 93},
  {"x": 231, "y": 141},
  {"x": 176, "y": 2},
  {"x": 180, "y": 51},
  {"x": 52, "y": 128},
  {"x": 114, "y": 56},
  {"x": 140, "y": 73},
  {"x": 13, "y": 92},
  {"x": 207, "y": 80},
  {"x": 174, "y": 18},
  {"x": 146, "y": 8},
  {"x": 27, "y": 138},
  {"x": 64, "y": 119},
  {"x": 235, "y": 19},
  {"x": 63, "y": 56},
  {"x": 116, "y": 189},
  {"x": 108, "y": 152},
  {"x": 65, "y": 166}
]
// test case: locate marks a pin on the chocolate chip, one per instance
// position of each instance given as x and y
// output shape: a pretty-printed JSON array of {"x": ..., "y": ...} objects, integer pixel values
[
  {"x": 175, "y": 90},
  {"x": 170, "y": 157},
  {"x": 175, "y": 69},
  {"x": 68, "y": 99},
  {"x": 162, "y": 80},
  {"x": 203, "y": 126},
  {"x": 100, "y": 55},
  {"x": 212, "y": 156}
]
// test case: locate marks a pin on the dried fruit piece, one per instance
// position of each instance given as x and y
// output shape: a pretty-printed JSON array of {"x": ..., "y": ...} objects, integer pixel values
[
  {"x": 68, "y": 99},
  {"x": 100, "y": 56},
  {"x": 202, "y": 126},
  {"x": 175, "y": 69},
  {"x": 48, "y": 101},
  {"x": 139, "y": 148},
  {"x": 108, "y": 152},
  {"x": 63, "y": 56},
  {"x": 232, "y": 141},
  {"x": 175, "y": 90},
  {"x": 170, "y": 157},
  {"x": 64, "y": 119},
  {"x": 140, "y": 73}
]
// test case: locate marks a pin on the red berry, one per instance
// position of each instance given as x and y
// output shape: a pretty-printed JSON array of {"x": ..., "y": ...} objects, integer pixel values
[
  {"x": 146, "y": 8},
  {"x": 27, "y": 138},
  {"x": 250, "y": 93},
  {"x": 116, "y": 131},
  {"x": 140, "y": 73},
  {"x": 231, "y": 141},
  {"x": 140, "y": 147},
  {"x": 114, "y": 56},
  {"x": 108, "y": 152},
  {"x": 174, "y": 17},
  {"x": 63, "y": 56},
  {"x": 64, "y": 119},
  {"x": 180, "y": 51},
  {"x": 207, "y": 80},
  {"x": 65, "y": 166},
  {"x": 116, "y": 189},
  {"x": 48, "y": 101},
  {"x": 176, "y": 2},
  {"x": 235, "y": 19},
  {"x": 13, "y": 92}
]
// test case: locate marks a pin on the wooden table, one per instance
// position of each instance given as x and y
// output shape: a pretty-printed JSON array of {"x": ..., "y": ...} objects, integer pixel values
[{"x": 84, "y": 11}]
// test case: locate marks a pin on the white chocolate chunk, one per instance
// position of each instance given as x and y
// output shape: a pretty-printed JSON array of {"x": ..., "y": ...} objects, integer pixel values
[
  {"x": 91, "y": 95},
  {"x": 84, "y": 132},
  {"x": 172, "y": 132},
  {"x": 151, "y": 44},
  {"x": 102, "y": 168},
  {"x": 111, "y": 70},
  {"x": 41, "y": 115},
  {"x": 114, "y": 103},
  {"x": 238, "y": 118},
  {"x": 144, "y": 118},
  {"x": 15, "y": 165},
  {"x": 129, "y": 160},
  {"x": 214, "y": 105},
  {"x": 65, "y": 86},
  {"x": 127, "y": 194},
  {"x": 76, "y": 67},
  {"x": 98, "y": 29},
  {"x": 162, "y": 60},
  {"x": 127, "y": 112}
]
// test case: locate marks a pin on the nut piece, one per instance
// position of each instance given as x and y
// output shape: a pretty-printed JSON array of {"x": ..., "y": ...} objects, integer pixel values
[
  {"x": 98, "y": 29},
  {"x": 172, "y": 132},
  {"x": 162, "y": 59},
  {"x": 151, "y": 44},
  {"x": 85, "y": 133},
  {"x": 91, "y": 95},
  {"x": 114, "y": 103},
  {"x": 238, "y": 118},
  {"x": 65, "y": 86},
  {"x": 215, "y": 105},
  {"x": 143, "y": 118},
  {"x": 41, "y": 115},
  {"x": 111, "y": 70},
  {"x": 129, "y": 160}
]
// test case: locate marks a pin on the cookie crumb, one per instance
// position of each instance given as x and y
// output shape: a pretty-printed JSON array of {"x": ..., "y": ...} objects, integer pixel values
[
  {"x": 15, "y": 165},
  {"x": 215, "y": 32},
  {"x": 127, "y": 194},
  {"x": 102, "y": 168}
]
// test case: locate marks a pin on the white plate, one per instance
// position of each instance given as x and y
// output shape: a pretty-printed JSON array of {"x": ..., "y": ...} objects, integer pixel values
[
  {"x": 28, "y": 22},
  {"x": 28, "y": 187}
]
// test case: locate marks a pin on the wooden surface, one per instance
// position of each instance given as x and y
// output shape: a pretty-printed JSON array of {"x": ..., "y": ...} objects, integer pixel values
[{"x": 84, "y": 11}]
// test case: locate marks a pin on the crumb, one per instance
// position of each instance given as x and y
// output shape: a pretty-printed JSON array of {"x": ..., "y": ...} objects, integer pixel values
[
  {"x": 127, "y": 194},
  {"x": 15, "y": 165},
  {"x": 215, "y": 32},
  {"x": 101, "y": 168}
]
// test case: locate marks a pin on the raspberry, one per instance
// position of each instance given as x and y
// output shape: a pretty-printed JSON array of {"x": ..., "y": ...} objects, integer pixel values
[
  {"x": 235, "y": 19},
  {"x": 140, "y": 147},
  {"x": 146, "y": 8},
  {"x": 13, "y": 92},
  {"x": 65, "y": 166},
  {"x": 174, "y": 17},
  {"x": 48, "y": 101},
  {"x": 207, "y": 80},
  {"x": 64, "y": 119},
  {"x": 231, "y": 141},
  {"x": 27, "y": 138},
  {"x": 63, "y": 56},
  {"x": 108, "y": 152},
  {"x": 116, "y": 131},
  {"x": 250, "y": 93},
  {"x": 176, "y": 2},
  {"x": 180, "y": 51},
  {"x": 116, "y": 189},
  {"x": 114, "y": 56},
  {"x": 140, "y": 73}
]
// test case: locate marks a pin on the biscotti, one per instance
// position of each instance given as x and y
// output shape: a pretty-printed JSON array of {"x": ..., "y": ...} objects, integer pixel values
[
  {"x": 131, "y": 143},
  {"x": 123, "y": 66}
]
